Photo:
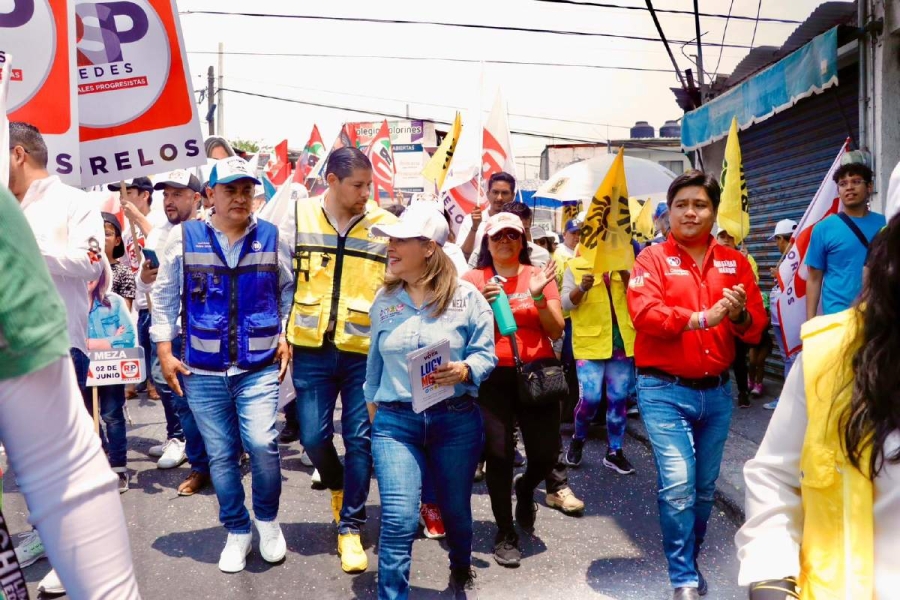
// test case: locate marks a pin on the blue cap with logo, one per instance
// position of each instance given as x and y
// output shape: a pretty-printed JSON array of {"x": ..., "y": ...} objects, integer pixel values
[
  {"x": 573, "y": 225},
  {"x": 231, "y": 169}
]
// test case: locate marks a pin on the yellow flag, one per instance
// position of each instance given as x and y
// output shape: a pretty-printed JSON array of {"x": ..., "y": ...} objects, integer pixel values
[
  {"x": 642, "y": 220},
  {"x": 437, "y": 167},
  {"x": 734, "y": 208},
  {"x": 606, "y": 233}
]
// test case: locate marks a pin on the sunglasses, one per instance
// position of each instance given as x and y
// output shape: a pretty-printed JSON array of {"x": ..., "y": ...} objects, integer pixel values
[{"x": 510, "y": 234}]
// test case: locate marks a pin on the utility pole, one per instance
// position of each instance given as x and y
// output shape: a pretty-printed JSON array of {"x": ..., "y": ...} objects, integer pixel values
[
  {"x": 210, "y": 94},
  {"x": 699, "y": 52},
  {"x": 220, "y": 100}
]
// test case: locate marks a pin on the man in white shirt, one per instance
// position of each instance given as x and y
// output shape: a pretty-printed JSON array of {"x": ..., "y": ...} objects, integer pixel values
[
  {"x": 68, "y": 228},
  {"x": 571, "y": 237},
  {"x": 181, "y": 200},
  {"x": 501, "y": 189}
]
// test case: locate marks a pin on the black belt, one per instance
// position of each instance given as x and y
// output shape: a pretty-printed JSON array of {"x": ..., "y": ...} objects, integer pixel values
[{"x": 704, "y": 383}]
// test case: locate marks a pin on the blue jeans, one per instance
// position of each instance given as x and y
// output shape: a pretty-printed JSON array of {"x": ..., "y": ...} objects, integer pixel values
[
  {"x": 687, "y": 429},
  {"x": 180, "y": 421},
  {"x": 236, "y": 410},
  {"x": 112, "y": 410},
  {"x": 320, "y": 374},
  {"x": 618, "y": 376},
  {"x": 788, "y": 360},
  {"x": 143, "y": 332},
  {"x": 445, "y": 440}
]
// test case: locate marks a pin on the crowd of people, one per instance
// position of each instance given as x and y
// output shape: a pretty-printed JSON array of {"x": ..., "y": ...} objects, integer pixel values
[{"x": 334, "y": 299}]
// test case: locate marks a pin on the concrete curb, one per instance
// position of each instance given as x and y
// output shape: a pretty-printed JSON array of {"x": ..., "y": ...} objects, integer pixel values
[{"x": 730, "y": 485}]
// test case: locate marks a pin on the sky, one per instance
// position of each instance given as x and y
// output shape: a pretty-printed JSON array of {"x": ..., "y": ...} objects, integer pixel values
[{"x": 555, "y": 102}]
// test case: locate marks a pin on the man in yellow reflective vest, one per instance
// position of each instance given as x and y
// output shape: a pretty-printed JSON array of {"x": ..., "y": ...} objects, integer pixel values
[{"x": 339, "y": 266}]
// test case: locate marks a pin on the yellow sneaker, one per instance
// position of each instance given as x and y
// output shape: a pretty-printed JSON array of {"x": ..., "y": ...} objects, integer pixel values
[
  {"x": 353, "y": 557},
  {"x": 337, "y": 502}
]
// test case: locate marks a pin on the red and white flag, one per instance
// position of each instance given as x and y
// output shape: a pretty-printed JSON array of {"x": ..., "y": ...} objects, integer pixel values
[
  {"x": 382, "y": 158},
  {"x": 278, "y": 168},
  {"x": 313, "y": 152},
  {"x": 496, "y": 156},
  {"x": 793, "y": 272}
]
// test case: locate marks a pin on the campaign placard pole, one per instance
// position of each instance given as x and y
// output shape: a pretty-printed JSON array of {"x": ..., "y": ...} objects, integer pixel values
[{"x": 96, "y": 411}]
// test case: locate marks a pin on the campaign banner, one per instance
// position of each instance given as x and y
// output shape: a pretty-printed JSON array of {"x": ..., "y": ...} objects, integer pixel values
[
  {"x": 116, "y": 367},
  {"x": 135, "y": 100},
  {"x": 402, "y": 132},
  {"x": 41, "y": 36},
  {"x": 5, "y": 71},
  {"x": 409, "y": 161}
]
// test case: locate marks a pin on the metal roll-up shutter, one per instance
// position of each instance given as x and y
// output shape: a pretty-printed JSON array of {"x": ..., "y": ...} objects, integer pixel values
[{"x": 785, "y": 158}]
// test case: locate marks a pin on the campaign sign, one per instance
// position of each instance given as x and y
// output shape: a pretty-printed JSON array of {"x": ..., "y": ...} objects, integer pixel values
[
  {"x": 41, "y": 35},
  {"x": 116, "y": 367},
  {"x": 135, "y": 100}
]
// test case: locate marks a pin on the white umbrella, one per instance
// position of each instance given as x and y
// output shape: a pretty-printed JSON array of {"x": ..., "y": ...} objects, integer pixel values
[{"x": 579, "y": 181}]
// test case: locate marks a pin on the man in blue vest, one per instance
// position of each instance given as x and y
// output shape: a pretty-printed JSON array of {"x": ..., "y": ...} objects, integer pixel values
[{"x": 230, "y": 276}]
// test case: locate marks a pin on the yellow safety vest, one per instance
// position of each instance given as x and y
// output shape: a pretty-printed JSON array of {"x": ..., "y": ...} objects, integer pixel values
[
  {"x": 592, "y": 326},
  {"x": 336, "y": 278},
  {"x": 837, "y": 551}
]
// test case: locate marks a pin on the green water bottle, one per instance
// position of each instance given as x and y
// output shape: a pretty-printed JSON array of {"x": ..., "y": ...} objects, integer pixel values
[{"x": 502, "y": 311}]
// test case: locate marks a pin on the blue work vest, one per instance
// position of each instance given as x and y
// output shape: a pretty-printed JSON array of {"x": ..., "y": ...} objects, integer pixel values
[{"x": 230, "y": 315}]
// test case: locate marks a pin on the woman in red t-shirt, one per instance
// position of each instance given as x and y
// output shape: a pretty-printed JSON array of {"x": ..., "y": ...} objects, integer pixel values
[{"x": 535, "y": 303}]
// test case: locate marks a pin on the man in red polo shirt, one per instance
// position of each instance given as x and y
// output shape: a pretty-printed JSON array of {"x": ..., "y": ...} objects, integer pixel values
[{"x": 689, "y": 297}]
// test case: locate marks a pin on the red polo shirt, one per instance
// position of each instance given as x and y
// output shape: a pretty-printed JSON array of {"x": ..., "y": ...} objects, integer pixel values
[{"x": 667, "y": 286}]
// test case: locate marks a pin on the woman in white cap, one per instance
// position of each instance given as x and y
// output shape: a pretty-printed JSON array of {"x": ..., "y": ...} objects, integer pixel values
[
  {"x": 424, "y": 303},
  {"x": 536, "y": 308}
]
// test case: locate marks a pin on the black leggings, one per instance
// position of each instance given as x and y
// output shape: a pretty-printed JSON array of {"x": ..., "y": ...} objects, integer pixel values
[{"x": 501, "y": 409}]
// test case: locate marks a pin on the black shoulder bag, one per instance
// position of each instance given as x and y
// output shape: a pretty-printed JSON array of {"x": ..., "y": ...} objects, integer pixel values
[
  {"x": 540, "y": 382},
  {"x": 855, "y": 229}
]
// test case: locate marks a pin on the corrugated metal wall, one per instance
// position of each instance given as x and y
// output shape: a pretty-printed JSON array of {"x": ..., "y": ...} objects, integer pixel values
[{"x": 785, "y": 159}]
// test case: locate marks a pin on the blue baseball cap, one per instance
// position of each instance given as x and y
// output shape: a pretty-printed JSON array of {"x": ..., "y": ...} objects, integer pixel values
[
  {"x": 231, "y": 169},
  {"x": 661, "y": 209},
  {"x": 573, "y": 225}
]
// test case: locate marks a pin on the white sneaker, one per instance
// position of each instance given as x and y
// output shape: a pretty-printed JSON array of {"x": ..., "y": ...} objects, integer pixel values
[
  {"x": 30, "y": 548},
  {"x": 271, "y": 541},
  {"x": 158, "y": 450},
  {"x": 51, "y": 584},
  {"x": 304, "y": 459},
  {"x": 173, "y": 456},
  {"x": 234, "y": 557},
  {"x": 316, "y": 478}
]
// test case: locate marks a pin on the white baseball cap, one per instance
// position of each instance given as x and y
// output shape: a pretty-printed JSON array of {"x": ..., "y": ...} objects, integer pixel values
[
  {"x": 420, "y": 220},
  {"x": 784, "y": 227},
  {"x": 179, "y": 179},
  {"x": 504, "y": 220},
  {"x": 231, "y": 169}
]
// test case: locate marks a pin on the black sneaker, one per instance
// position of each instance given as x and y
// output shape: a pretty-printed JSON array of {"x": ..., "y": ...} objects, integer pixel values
[
  {"x": 526, "y": 507},
  {"x": 290, "y": 432},
  {"x": 506, "y": 549},
  {"x": 479, "y": 472},
  {"x": 702, "y": 586},
  {"x": 743, "y": 400},
  {"x": 617, "y": 462},
  {"x": 462, "y": 584},
  {"x": 574, "y": 453}
]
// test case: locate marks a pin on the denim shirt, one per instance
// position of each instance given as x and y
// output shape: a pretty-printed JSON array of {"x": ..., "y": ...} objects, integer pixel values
[
  {"x": 104, "y": 322},
  {"x": 399, "y": 327}
]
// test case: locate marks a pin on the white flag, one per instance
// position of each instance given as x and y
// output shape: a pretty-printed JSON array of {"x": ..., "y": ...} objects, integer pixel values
[
  {"x": 792, "y": 273},
  {"x": 5, "y": 74}
]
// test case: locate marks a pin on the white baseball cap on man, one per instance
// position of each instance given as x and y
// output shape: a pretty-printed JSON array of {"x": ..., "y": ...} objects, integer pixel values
[
  {"x": 784, "y": 227},
  {"x": 231, "y": 169},
  {"x": 420, "y": 220}
]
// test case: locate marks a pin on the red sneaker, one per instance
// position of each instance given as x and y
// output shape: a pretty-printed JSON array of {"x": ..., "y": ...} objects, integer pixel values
[{"x": 432, "y": 523}]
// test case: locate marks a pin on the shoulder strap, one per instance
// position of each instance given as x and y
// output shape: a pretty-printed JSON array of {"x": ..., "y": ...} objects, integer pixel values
[{"x": 855, "y": 229}]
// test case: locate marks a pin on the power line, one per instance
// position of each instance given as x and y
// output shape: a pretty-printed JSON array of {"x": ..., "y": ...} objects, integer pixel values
[
  {"x": 724, "y": 31},
  {"x": 662, "y": 37},
  {"x": 436, "y": 58},
  {"x": 673, "y": 11},
  {"x": 758, "y": 9},
  {"x": 437, "y": 23},
  {"x": 380, "y": 113},
  {"x": 402, "y": 101}
]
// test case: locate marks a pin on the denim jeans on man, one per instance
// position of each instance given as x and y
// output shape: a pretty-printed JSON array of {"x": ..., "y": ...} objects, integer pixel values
[
  {"x": 180, "y": 419},
  {"x": 143, "y": 332},
  {"x": 687, "y": 429},
  {"x": 231, "y": 411},
  {"x": 320, "y": 374},
  {"x": 445, "y": 441}
]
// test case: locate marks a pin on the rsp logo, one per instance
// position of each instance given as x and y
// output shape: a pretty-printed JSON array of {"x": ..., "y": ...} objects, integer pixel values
[
  {"x": 103, "y": 28},
  {"x": 130, "y": 369},
  {"x": 122, "y": 47},
  {"x": 20, "y": 13}
]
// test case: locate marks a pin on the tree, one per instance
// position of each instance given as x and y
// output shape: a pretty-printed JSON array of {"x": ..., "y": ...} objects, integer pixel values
[{"x": 251, "y": 146}]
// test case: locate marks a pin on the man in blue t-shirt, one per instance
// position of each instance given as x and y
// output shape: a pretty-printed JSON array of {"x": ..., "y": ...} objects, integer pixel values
[{"x": 839, "y": 244}]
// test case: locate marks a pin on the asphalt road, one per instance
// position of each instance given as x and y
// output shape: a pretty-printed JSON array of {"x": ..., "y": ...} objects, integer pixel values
[{"x": 613, "y": 551}]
